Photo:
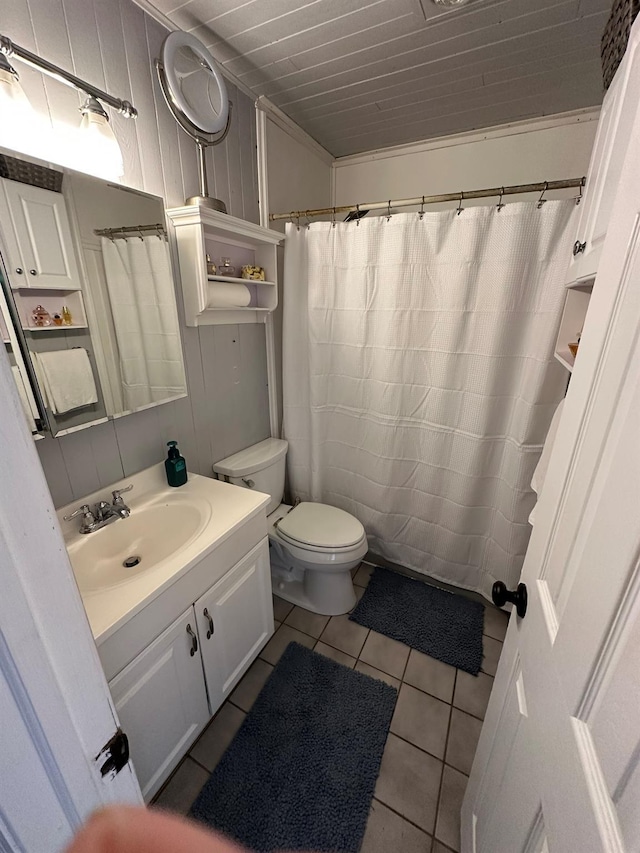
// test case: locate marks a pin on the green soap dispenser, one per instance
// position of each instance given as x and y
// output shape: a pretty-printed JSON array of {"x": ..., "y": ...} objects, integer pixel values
[{"x": 175, "y": 465}]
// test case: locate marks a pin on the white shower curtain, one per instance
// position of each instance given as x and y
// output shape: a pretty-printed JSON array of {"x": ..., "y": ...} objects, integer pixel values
[
  {"x": 419, "y": 378},
  {"x": 141, "y": 293}
]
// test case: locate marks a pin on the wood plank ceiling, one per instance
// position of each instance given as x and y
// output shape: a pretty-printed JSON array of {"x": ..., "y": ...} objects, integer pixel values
[{"x": 364, "y": 74}]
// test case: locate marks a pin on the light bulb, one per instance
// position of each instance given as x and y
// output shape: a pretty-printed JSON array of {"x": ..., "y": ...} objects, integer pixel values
[
  {"x": 101, "y": 155},
  {"x": 18, "y": 122}
]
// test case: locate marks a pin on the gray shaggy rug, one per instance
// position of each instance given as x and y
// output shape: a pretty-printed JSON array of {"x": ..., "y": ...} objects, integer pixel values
[
  {"x": 301, "y": 771},
  {"x": 441, "y": 624}
]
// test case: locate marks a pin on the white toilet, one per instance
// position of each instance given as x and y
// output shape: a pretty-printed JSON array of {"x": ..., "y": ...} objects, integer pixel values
[{"x": 312, "y": 546}]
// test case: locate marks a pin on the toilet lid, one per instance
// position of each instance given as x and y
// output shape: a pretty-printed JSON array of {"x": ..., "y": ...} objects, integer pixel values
[{"x": 321, "y": 526}]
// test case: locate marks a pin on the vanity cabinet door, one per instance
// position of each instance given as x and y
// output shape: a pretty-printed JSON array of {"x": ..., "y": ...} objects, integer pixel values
[
  {"x": 43, "y": 246},
  {"x": 235, "y": 619},
  {"x": 161, "y": 701}
]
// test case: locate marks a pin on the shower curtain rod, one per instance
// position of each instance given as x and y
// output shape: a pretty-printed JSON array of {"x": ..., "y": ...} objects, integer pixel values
[
  {"x": 540, "y": 187},
  {"x": 130, "y": 231}
]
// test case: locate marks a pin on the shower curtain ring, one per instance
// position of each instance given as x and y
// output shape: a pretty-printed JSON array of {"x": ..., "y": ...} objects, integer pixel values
[
  {"x": 333, "y": 218},
  {"x": 579, "y": 196},
  {"x": 460, "y": 207},
  {"x": 500, "y": 205},
  {"x": 298, "y": 219},
  {"x": 358, "y": 215},
  {"x": 421, "y": 213},
  {"x": 140, "y": 235},
  {"x": 389, "y": 210},
  {"x": 542, "y": 200}
]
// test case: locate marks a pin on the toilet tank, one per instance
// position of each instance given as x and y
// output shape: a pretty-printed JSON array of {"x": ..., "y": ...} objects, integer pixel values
[{"x": 260, "y": 467}]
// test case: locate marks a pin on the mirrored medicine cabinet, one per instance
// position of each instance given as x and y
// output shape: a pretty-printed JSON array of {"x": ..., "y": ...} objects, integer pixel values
[{"x": 88, "y": 313}]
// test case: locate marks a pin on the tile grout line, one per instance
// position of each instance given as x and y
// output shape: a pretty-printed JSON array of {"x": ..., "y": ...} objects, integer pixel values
[
  {"x": 446, "y": 744},
  {"x": 400, "y": 815}
]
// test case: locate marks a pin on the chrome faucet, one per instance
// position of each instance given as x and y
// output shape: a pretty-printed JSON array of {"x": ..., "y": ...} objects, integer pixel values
[{"x": 103, "y": 513}]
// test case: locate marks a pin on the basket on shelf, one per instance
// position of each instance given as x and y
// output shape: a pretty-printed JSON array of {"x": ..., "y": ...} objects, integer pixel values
[{"x": 615, "y": 36}]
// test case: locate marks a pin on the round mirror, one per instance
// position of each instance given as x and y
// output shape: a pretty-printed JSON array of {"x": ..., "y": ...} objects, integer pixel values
[{"x": 196, "y": 88}]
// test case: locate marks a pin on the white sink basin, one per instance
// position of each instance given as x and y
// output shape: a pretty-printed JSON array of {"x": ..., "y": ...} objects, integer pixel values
[
  {"x": 170, "y": 530},
  {"x": 127, "y": 547}
]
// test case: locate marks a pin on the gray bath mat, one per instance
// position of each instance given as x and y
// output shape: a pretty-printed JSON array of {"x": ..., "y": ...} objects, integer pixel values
[
  {"x": 439, "y": 623},
  {"x": 301, "y": 771}
]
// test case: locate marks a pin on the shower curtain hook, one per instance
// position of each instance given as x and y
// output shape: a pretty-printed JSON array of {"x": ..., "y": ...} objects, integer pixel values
[
  {"x": 389, "y": 210},
  {"x": 543, "y": 200},
  {"x": 298, "y": 219},
  {"x": 333, "y": 218},
  {"x": 460, "y": 207},
  {"x": 421, "y": 213},
  {"x": 358, "y": 213},
  {"x": 579, "y": 196},
  {"x": 140, "y": 235},
  {"x": 500, "y": 205}
]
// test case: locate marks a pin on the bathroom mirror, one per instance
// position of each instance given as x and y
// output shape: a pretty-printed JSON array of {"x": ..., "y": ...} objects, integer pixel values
[{"x": 88, "y": 308}]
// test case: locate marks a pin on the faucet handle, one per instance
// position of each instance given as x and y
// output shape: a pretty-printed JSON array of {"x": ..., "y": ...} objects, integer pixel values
[
  {"x": 85, "y": 510},
  {"x": 116, "y": 494}
]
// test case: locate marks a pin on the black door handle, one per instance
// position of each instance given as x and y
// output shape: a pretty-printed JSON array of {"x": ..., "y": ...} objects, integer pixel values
[{"x": 500, "y": 595}]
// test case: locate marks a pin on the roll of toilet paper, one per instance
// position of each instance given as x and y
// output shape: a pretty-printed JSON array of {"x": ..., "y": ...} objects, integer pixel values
[{"x": 222, "y": 295}]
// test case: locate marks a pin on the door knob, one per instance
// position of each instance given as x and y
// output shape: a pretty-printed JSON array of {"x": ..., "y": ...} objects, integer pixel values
[
  {"x": 500, "y": 595},
  {"x": 579, "y": 247}
]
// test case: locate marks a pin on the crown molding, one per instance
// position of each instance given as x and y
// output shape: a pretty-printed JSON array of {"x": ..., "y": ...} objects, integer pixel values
[{"x": 582, "y": 116}]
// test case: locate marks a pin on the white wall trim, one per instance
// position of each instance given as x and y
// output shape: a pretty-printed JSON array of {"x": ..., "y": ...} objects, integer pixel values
[
  {"x": 516, "y": 128},
  {"x": 293, "y": 129},
  {"x": 161, "y": 18},
  {"x": 263, "y": 203}
]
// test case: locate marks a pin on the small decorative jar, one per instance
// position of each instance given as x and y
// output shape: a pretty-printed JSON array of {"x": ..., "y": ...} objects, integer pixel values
[
  {"x": 226, "y": 269},
  {"x": 253, "y": 273},
  {"x": 40, "y": 317}
]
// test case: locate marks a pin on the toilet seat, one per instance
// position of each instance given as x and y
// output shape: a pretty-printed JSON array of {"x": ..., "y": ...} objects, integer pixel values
[{"x": 322, "y": 528}]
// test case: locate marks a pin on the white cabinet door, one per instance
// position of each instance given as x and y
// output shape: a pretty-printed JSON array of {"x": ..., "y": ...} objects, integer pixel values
[
  {"x": 609, "y": 150},
  {"x": 43, "y": 247},
  {"x": 162, "y": 702},
  {"x": 235, "y": 619}
]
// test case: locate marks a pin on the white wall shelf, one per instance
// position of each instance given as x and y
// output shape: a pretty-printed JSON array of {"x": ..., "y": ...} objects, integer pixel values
[
  {"x": 201, "y": 232},
  {"x": 576, "y": 304},
  {"x": 52, "y": 301}
]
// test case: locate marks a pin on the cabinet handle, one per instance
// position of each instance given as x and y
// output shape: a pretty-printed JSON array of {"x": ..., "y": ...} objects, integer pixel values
[
  {"x": 211, "y": 630},
  {"x": 194, "y": 641},
  {"x": 19, "y": 270},
  {"x": 33, "y": 272},
  {"x": 579, "y": 247}
]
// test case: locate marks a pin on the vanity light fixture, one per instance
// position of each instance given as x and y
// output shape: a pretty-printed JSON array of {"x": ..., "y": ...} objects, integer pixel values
[
  {"x": 18, "y": 117},
  {"x": 101, "y": 154},
  {"x": 101, "y": 144}
]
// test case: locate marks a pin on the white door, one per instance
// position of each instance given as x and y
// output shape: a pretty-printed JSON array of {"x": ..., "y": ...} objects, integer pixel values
[
  {"x": 162, "y": 702},
  {"x": 42, "y": 252},
  {"x": 235, "y": 619},
  {"x": 56, "y": 711},
  {"x": 558, "y": 762}
]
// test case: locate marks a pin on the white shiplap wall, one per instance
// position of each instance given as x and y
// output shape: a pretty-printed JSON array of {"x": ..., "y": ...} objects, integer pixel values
[{"x": 113, "y": 43}]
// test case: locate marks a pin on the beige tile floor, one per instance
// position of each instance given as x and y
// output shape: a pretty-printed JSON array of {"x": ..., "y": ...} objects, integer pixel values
[{"x": 433, "y": 736}]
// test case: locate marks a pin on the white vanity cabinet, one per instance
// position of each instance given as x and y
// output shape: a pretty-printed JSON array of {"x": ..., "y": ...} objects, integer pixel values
[
  {"x": 37, "y": 237},
  {"x": 161, "y": 702},
  {"x": 235, "y": 619},
  {"x": 161, "y": 695}
]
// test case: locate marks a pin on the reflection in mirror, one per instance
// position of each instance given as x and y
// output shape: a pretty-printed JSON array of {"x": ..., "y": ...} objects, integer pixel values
[{"x": 92, "y": 287}]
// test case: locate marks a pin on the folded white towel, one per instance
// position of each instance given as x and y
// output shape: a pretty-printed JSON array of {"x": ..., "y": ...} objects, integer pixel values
[
  {"x": 537, "y": 481},
  {"x": 68, "y": 379},
  {"x": 223, "y": 295}
]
